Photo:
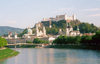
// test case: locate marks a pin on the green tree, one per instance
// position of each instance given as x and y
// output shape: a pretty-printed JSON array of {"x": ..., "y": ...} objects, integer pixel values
[
  {"x": 96, "y": 38},
  {"x": 67, "y": 40},
  {"x": 60, "y": 40},
  {"x": 86, "y": 40},
  {"x": 3, "y": 42}
]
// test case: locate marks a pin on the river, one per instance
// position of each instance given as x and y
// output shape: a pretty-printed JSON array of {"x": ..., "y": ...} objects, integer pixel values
[{"x": 54, "y": 56}]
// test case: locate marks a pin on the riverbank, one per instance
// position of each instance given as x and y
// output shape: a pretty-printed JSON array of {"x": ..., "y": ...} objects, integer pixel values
[
  {"x": 6, "y": 53},
  {"x": 74, "y": 47},
  {"x": 57, "y": 46},
  {"x": 22, "y": 46}
]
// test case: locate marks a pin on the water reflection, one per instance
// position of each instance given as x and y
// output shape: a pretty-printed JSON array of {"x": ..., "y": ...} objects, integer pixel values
[{"x": 54, "y": 56}]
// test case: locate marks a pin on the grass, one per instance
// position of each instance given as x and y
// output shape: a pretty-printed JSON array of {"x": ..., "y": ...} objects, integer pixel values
[{"x": 6, "y": 53}]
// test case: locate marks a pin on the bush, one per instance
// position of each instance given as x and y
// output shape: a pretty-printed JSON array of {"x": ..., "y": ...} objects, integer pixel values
[
  {"x": 28, "y": 41},
  {"x": 39, "y": 41}
]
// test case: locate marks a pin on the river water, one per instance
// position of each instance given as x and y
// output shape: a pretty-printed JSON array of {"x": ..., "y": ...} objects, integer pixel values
[{"x": 54, "y": 56}]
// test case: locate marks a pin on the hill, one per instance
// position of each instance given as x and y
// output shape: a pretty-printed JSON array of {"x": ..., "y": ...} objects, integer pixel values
[
  {"x": 56, "y": 25},
  {"x": 6, "y": 29},
  {"x": 84, "y": 27}
]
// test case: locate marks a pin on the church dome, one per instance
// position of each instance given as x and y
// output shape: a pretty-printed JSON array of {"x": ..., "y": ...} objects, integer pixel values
[{"x": 29, "y": 31}]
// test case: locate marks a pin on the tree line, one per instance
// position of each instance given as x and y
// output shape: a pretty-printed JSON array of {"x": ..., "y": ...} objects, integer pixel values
[{"x": 79, "y": 40}]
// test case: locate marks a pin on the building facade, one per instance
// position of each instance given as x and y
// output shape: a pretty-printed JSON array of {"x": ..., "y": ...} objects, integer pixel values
[
  {"x": 60, "y": 17},
  {"x": 40, "y": 30},
  {"x": 71, "y": 32}
]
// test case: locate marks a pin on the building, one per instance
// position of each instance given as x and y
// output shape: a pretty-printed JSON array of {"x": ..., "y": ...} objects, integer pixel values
[
  {"x": 88, "y": 34},
  {"x": 15, "y": 36},
  {"x": 40, "y": 30},
  {"x": 64, "y": 17},
  {"x": 9, "y": 35},
  {"x": 71, "y": 32},
  {"x": 29, "y": 33},
  {"x": 60, "y": 17}
]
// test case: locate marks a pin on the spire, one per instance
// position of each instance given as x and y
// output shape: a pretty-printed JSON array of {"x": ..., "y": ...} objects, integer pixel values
[
  {"x": 68, "y": 25},
  {"x": 50, "y": 24}
]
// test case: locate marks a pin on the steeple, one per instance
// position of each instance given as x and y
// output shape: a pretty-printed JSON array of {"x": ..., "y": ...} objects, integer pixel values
[
  {"x": 68, "y": 24},
  {"x": 50, "y": 24}
]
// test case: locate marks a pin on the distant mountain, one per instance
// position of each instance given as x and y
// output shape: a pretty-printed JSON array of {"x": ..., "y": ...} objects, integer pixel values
[{"x": 6, "y": 29}]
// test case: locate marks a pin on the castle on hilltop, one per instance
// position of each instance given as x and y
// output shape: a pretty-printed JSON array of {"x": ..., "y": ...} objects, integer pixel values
[{"x": 60, "y": 17}]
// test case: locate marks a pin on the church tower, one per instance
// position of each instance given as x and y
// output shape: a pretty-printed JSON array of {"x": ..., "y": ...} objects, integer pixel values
[
  {"x": 68, "y": 28},
  {"x": 50, "y": 24}
]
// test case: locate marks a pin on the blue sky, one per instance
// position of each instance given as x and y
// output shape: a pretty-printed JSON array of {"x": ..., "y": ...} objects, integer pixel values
[{"x": 25, "y": 13}]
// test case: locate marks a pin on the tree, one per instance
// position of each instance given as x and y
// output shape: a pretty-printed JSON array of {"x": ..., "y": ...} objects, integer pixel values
[
  {"x": 40, "y": 41},
  {"x": 77, "y": 40},
  {"x": 86, "y": 40},
  {"x": 3, "y": 42},
  {"x": 60, "y": 40},
  {"x": 96, "y": 38},
  {"x": 24, "y": 32}
]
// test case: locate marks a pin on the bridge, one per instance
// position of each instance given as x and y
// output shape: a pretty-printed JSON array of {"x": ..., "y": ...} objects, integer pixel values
[{"x": 27, "y": 44}]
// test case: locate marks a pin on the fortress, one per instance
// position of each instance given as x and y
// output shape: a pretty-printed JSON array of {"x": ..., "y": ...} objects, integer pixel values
[{"x": 60, "y": 17}]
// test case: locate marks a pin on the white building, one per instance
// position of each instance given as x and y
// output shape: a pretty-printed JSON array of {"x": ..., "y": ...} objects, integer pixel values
[
  {"x": 40, "y": 30},
  {"x": 64, "y": 17},
  {"x": 29, "y": 33},
  {"x": 9, "y": 35},
  {"x": 15, "y": 36},
  {"x": 60, "y": 17},
  {"x": 71, "y": 32}
]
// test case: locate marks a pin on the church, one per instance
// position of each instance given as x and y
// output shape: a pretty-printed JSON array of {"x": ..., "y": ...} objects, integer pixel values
[{"x": 70, "y": 31}]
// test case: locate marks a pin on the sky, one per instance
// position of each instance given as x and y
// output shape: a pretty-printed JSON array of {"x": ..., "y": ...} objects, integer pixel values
[{"x": 25, "y": 13}]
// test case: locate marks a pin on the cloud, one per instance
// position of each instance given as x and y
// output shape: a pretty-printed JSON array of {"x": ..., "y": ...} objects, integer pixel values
[
  {"x": 94, "y": 15},
  {"x": 92, "y": 9}
]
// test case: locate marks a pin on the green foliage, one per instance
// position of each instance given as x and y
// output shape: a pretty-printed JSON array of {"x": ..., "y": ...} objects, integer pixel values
[
  {"x": 67, "y": 40},
  {"x": 84, "y": 27},
  {"x": 28, "y": 41},
  {"x": 40, "y": 41},
  {"x": 24, "y": 32},
  {"x": 60, "y": 40},
  {"x": 96, "y": 38},
  {"x": 87, "y": 28},
  {"x": 83, "y": 40},
  {"x": 3, "y": 42},
  {"x": 52, "y": 31},
  {"x": 86, "y": 40}
]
